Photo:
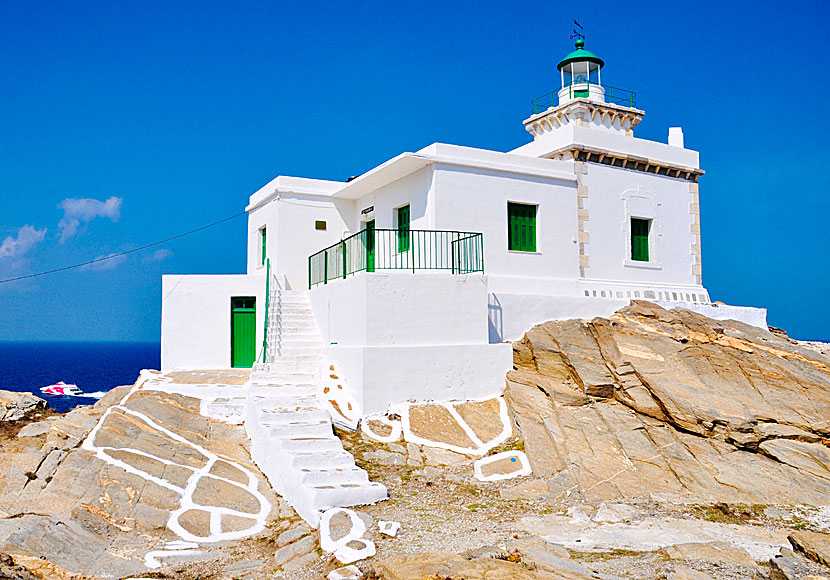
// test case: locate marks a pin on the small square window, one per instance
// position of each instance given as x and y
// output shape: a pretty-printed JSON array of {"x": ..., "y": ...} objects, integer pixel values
[{"x": 320, "y": 225}]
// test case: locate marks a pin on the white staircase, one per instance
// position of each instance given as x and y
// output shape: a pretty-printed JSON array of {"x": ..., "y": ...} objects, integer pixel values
[{"x": 292, "y": 440}]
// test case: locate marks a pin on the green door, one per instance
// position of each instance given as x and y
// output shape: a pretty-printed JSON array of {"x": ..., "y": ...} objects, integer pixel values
[
  {"x": 243, "y": 332},
  {"x": 369, "y": 243}
]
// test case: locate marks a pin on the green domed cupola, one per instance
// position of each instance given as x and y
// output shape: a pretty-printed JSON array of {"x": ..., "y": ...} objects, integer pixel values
[
  {"x": 580, "y": 71},
  {"x": 580, "y": 54}
]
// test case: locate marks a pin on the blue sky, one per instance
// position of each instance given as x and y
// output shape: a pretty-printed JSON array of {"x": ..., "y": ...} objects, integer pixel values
[{"x": 177, "y": 111}]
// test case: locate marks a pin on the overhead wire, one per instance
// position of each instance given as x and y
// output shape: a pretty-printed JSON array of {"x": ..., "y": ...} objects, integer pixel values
[{"x": 124, "y": 253}]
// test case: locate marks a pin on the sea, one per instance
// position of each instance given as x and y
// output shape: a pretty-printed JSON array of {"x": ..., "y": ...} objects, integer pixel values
[{"x": 93, "y": 366}]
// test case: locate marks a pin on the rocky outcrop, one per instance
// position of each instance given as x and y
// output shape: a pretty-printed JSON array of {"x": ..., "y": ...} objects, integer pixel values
[
  {"x": 673, "y": 403},
  {"x": 812, "y": 545},
  {"x": 14, "y": 405},
  {"x": 500, "y": 566},
  {"x": 140, "y": 478}
]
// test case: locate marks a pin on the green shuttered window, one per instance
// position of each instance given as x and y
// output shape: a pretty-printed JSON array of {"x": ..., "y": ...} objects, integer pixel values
[
  {"x": 639, "y": 239},
  {"x": 403, "y": 229},
  {"x": 262, "y": 251},
  {"x": 521, "y": 227}
]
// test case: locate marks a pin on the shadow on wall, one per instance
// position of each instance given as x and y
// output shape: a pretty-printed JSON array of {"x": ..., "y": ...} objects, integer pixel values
[{"x": 495, "y": 319}]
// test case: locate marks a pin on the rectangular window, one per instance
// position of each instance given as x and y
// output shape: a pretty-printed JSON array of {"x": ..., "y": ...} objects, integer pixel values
[
  {"x": 262, "y": 251},
  {"x": 320, "y": 225},
  {"x": 403, "y": 228},
  {"x": 639, "y": 239},
  {"x": 521, "y": 227}
]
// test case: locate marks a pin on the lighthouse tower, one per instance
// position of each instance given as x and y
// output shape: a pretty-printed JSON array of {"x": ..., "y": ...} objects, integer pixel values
[
  {"x": 583, "y": 99},
  {"x": 581, "y": 76}
]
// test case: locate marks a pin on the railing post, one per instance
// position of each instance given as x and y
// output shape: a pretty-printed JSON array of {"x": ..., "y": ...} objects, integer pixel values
[
  {"x": 267, "y": 310},
  {"x": 325, "y": 267},
  {"x": 344, "y": 259}
]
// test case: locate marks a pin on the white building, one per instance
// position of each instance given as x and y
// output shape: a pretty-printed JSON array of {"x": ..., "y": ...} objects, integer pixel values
[{"x": 418, "y": 271}]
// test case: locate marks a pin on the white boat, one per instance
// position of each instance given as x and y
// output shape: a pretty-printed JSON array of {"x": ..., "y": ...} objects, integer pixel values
[{"x": 61, "y": 388}]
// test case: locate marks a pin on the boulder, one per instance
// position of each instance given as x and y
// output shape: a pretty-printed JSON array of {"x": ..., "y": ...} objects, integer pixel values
[
  {"x": 14, "y": 405},
  {"x": 711, "y": 552},
  {"x": 812, "y": 545}
]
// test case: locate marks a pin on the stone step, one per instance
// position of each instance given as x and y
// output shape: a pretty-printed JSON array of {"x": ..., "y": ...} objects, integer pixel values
[
  {"x": 323, "y": 460},
  {"x": 293, "y": 327},
  {"x": 225, "y": 408},
  {"x": 334, "y": 476},
  {"x": 311, "y": 444},
  {"x": 297, "y": 357},
  {"x": 290, "y": 415},
  {"x": 348, "y": 494},
  {"x": 284, "y": 401},
  {"x": 282, "y": 316},
  {"x": 292, "y": 301},
  {"x": 299, "y": 339},
  {"x": 286, "y": 378},
  {"x": 291, "y": 351},
  {"x": 299, "y": 343},
  {"x": 293, "y": 310},
  {"x": 301, "y": 430}
]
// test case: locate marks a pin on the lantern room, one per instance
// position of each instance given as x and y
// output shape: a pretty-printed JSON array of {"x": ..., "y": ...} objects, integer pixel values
[{"x": 581, "y": 77}]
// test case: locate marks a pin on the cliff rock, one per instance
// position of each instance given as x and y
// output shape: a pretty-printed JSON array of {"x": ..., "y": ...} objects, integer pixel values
[{"x": 657, "y": 403}]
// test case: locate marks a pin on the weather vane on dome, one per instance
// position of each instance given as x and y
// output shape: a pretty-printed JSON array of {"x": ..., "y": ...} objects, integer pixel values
[{"x": 579, "y": 32}]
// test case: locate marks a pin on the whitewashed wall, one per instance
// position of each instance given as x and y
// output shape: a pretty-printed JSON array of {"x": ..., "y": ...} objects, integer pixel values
[
  {"x": 402, "y": 309},
  {"x": 196, "y": 318},
  {"x": 380, "y": 376},
  {"x": 477, "y": 201},
  {"x": 414, "y": 189},
  {"x": 291, "y": 235},
  {"x": 616, "y": 195},
  {"x": 400, "y": 336}
]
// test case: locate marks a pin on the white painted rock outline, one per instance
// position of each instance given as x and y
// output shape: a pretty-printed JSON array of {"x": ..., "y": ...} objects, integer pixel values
[
  {"x": 344, "y": 553},
  {"x": 186, "y": 503},
  {"x": 518, "y": 455},
  {"x": 340, "y": 574},
  {"x": 389, "y": 528},
  {"x": 393, "y": 436},
  {"x": 346, "y": 414},
  {"x": 480, "y": 448}
]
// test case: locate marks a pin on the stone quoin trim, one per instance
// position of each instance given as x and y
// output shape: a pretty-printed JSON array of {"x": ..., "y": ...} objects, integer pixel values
[
  {"x": 694, "y": 229},
  {"x": 582, "y": 216}
]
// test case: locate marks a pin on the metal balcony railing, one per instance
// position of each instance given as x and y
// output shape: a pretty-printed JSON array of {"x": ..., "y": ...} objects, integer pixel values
[
  {"x": 580, "y": 88},
  {"x": 372, "y": 249}
]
